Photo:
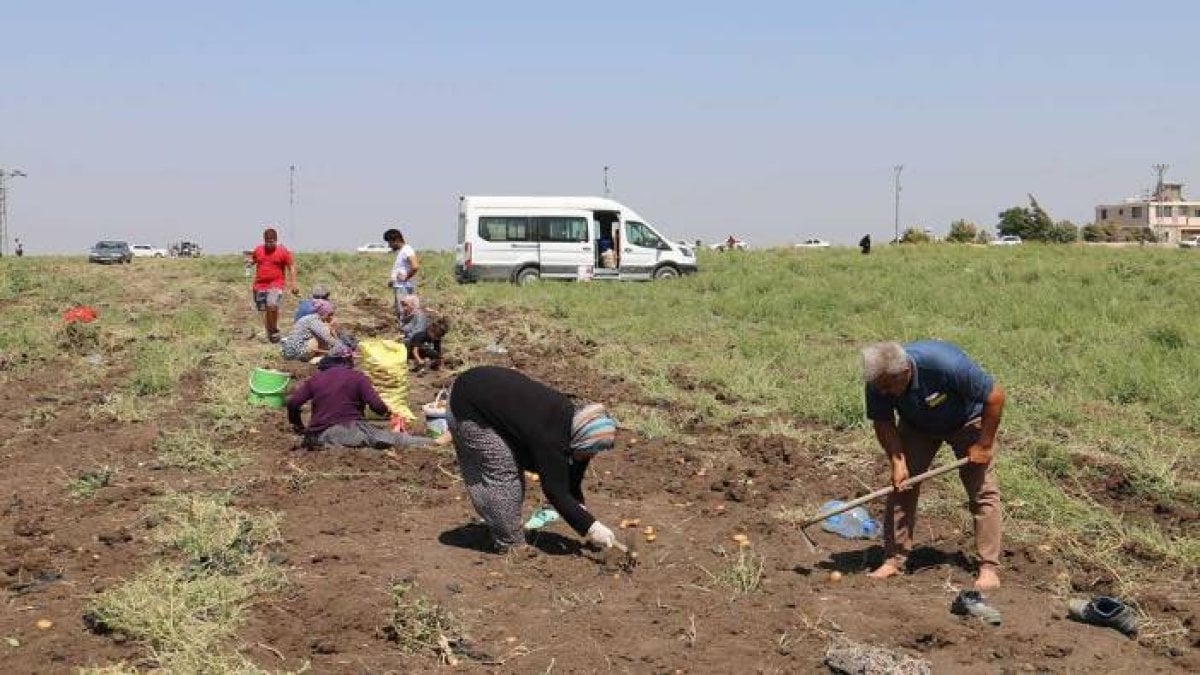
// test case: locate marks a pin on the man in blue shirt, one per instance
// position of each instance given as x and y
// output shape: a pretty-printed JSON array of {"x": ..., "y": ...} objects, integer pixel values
[{"x": 939, "y": 396}]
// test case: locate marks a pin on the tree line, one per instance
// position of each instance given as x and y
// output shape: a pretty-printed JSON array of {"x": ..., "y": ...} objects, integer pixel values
[{"x": 1032, "y": 223}]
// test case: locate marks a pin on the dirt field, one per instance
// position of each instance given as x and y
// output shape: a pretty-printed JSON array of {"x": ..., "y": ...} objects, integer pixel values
[{"x": 354, "y": 522}]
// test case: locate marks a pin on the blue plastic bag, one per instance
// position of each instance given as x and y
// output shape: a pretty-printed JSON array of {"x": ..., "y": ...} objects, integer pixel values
[{"x": 853, "y": 524}]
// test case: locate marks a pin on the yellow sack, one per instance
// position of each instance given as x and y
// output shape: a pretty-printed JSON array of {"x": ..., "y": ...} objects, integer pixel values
[{"x": 386, "y": 363}]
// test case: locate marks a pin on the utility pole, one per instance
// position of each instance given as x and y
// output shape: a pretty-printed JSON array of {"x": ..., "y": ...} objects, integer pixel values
[
  {"x": 898, "y": 168},
  {"x": 1159, "y": 170},
  {"x": 5, "y": 174},
  {"x": 292, "y": 206},
  {"x": 607, "y": 192}
]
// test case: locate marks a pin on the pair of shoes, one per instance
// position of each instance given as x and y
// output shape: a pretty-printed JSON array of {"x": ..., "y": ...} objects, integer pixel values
[
  {"x": 971, "y": 603},
  {"x": 273, "y": 337},
  {"x": 1104, "y": 611}
]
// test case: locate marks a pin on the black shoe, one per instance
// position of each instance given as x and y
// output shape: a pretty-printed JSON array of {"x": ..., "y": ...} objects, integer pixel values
[
  {"x": 971, "y": 603},
  {"x": 1104, "y": 611},
  {"x": 273, "y": 337}
]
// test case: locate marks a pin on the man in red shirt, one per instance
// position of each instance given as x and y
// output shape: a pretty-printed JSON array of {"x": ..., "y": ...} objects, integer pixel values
[{"x": 273, "y": 265}]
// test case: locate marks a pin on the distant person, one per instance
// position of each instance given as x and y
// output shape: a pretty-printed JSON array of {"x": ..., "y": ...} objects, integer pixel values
[
  {"x": 319, "y": 292},
  {"x": 339, "y": 394},
  {"x": 865, "y": 244},
  {"x": 503, "y": 423},
  {"x": 730, "y": 243},
  {"x": 273, "y": 265},
  {"x": 20, "y": 249},
  {"x": 413, "y": 319},
  {"x": 940, "y": 396},
  {"x": 313, "y": 335},
  {"x": 404, "y": 269},
  {"x": 425, "y": 347}
]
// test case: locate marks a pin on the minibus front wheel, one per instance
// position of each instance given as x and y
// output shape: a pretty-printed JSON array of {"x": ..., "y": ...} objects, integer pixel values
[
  {"x": 666, "y": 272},
  {"x": 527, "y": 275}
]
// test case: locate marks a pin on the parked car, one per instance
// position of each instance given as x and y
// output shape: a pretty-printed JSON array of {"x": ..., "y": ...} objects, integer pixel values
[
  {"x": 730, "y": 244},
  {"x": 813, "y": 243},
  {"x": 378, "y": 247},
  {"x": 111, "y": 252},
  {"x": 1190, "y": 242},
  {"x": 185, "y": 249},
  {"x": 1007, "y": 240},
  {"x": 147, "y": 251}
]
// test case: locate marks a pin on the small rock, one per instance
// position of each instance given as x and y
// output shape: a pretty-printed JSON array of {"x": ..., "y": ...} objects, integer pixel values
[{"x": 454, "y": 587}]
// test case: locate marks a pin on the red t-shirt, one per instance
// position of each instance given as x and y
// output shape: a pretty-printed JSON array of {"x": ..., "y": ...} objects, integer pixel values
[{"x": 269, "y": 267}]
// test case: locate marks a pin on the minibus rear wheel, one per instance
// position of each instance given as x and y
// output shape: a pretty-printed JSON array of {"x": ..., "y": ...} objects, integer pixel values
[{"x": 527, "y": 275}]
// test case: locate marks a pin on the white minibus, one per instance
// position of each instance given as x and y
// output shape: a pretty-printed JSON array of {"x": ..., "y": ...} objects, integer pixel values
[{"x": 521, "y": 239}]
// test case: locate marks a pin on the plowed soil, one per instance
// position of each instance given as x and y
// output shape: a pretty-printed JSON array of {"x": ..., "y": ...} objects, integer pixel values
[{"x": 354, "y": 521}]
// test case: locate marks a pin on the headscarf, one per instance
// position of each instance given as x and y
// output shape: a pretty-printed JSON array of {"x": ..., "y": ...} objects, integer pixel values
[
  {"x": 592, "y": 430},
  {"x": 339, "y": 355},
  {"x": 412, "y": 302},
  {"x": 322, "y": 308}
]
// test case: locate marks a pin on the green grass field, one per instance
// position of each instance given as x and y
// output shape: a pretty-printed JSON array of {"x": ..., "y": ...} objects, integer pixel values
[{"x": 1097, "y": 349}]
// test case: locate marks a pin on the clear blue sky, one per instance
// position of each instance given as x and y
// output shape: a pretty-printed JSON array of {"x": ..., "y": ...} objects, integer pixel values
[{"x": 155, "y": 121}]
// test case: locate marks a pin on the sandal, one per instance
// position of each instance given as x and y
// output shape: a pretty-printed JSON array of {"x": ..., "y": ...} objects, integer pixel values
[
  {"x": 971, "y": 603},
  {"x": 1104, "y": 611}
]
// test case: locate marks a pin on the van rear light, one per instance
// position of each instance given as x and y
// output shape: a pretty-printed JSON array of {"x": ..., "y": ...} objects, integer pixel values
[{"x": 467, "y": 254}]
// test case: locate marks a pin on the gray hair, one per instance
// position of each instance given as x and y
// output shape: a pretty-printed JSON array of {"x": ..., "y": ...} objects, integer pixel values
[{"x": 883, "y": 359}]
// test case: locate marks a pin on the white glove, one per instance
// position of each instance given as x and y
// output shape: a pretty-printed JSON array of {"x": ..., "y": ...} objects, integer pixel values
[{"x": 600, "y": 535}]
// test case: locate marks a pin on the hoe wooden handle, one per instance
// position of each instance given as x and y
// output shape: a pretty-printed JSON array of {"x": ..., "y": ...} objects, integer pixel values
[{"x": 932, "y": 473}]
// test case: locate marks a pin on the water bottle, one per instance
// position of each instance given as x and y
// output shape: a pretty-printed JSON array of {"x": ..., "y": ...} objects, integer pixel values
[{"x": 853, "y": 524}]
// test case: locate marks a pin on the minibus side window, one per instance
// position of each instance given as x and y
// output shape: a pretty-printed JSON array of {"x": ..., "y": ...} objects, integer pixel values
[
  {"x": 564, "y": 229},
  {"x": 505, "y": 228}
]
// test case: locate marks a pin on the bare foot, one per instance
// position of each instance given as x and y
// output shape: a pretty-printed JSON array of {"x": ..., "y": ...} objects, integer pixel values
[
  {"x": 987, "y": 580},
  {"x": 884, "y": 571}
]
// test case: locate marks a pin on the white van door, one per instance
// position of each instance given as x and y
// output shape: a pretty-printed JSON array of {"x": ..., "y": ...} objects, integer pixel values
[
  {"x": 639, "y": 250},
  {"x": 506, "y": 243},
  {"x": 566, "y": 246}
]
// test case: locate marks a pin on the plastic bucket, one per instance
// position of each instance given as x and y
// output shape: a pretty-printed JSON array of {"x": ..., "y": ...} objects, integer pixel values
[
  {"x": 435, "y": 415},
  {"x": 267, "y": 387}
]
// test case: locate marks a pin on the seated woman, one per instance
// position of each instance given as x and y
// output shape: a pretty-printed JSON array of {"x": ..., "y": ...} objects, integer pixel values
[
  {"x": 313, "y": 335},
  {"x": 413, "y": 319},
  {"x": 339, "y": 394}
]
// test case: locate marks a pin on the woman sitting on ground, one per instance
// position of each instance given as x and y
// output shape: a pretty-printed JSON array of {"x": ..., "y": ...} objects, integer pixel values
[
  {"x": 339, "y": 394},
  {"x": 503, "y": 423},
  {"x": 313, "y": 335},
  {"x": 413, "y": 319}
]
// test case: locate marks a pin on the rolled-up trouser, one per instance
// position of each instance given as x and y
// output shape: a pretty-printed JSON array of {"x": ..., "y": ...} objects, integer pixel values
[
  {"x": 900, "y": 521},
  {"x": 362, "y": 435},
  {"x": 494, "y": 482}
]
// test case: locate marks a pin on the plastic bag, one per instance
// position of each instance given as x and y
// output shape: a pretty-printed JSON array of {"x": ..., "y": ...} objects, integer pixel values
[
  {"x": 386, "y": 363},
  {"x": 853, "y": 524}
]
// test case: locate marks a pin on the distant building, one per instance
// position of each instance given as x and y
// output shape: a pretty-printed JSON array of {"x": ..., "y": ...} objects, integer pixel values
[{"x": 1166, "y": 213}]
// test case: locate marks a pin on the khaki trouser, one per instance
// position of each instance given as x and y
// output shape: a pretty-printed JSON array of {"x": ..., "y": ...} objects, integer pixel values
[{"x": 979, "y": 482}]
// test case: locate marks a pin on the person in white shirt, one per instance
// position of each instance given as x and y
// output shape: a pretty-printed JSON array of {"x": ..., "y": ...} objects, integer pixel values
[{"x": 403, "y": 270}]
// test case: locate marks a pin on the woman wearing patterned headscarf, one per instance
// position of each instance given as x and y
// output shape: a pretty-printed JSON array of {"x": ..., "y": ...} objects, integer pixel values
[
  {"x": 313, "y": 335},
  {"x": 504, "y": 423}
]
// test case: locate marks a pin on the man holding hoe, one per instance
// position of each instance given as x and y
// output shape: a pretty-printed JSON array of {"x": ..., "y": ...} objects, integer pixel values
[{"x": 940, "y": 396}]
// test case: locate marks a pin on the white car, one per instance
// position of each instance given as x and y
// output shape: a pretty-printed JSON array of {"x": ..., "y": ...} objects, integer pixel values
[
  {"x": 374, "y": 248},
  {"x": 813, "y": 243},
  {"x": 1190, "y": 242},
  {"x": 738, "y": 245},
  {"x": 147, "y": 251},
  {"x": 1007, "y": 240}
]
